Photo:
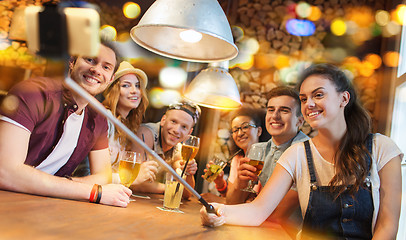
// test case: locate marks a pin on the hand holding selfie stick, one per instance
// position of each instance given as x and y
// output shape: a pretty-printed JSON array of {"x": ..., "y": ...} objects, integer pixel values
[{"x": 102, "y": 110}]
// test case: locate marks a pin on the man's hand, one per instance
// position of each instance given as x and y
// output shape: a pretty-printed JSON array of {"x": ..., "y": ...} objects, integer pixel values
[
  {"x": 245, "y": 172},
  {"x": 191, "y": 167},
  {"x": 147, "y": 172},
  {"x": 115, "y": 195}
]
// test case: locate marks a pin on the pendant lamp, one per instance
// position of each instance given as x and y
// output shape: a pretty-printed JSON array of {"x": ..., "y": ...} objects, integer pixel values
[
  {"x": 188, "y": 30},
  {"x": 214, "y": 87}
]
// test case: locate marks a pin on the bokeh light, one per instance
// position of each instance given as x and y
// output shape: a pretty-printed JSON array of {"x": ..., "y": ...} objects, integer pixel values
[
  {"x": 391, "y": 29},
  {"x": 391, "y": 59},
  {"x": 398, "y": 15},
  {"x": 362, "y": 16},
  {"x": 169, "y": 96},
  {"x": 246, "y": 65},
  {"x": 374, "y": 59},
  {"x": 172, "y": 77},
  {"x": 251, "y": 45},
  {"x": 315, "y": 14},
  {"x": 131, "y": 10},
  {"x": 303, "y": 9},
  {"x": 9, "y": 104},
  {"x": 382, "y": 17},
  {"x": 352, "y": 27},
  {"x": 123, "y": 37},
  {"x": 238, "y": 33},
  {"x": 282, "y": 61},
  {"x": 338, "y": 27},
  {"x": 366, "y": 69},
  {"x": 154, "y": 97},
  {"x": 108, "y": 31},
  {"x": 300, "y": 27}
]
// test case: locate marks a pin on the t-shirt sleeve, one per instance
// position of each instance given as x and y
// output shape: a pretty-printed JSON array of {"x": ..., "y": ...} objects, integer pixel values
[
  {"x": 288, "y": 159},
  {"x": 31, "y": 104},
  {"x": 385, "y": 149},
  {"x": 102, "y": 141}
]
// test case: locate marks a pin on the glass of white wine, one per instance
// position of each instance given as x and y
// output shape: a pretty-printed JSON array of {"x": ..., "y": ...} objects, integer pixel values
[
  {"x": 255, "y": 154},
  {"x": 129, "y": 167}
]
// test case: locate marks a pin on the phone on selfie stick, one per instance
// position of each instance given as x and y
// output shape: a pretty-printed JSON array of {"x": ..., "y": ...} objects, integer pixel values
[{"x": 57, "y": 31}]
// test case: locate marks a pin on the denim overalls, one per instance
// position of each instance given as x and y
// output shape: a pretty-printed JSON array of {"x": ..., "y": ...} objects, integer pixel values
[{"x": 342, "y": 218}]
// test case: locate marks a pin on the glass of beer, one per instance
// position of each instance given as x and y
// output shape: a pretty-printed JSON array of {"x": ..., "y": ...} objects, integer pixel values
[
  {"x": 256, "y": 156},
  {"x": 214, "y": 169},
  {"x": 129, "y": 167},
  {"x": 173, "y": 193},
  {"x": 190, "y": 147}
]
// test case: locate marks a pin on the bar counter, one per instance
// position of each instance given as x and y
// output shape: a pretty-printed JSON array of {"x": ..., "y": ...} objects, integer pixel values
[{"x": 25, "y": 216}]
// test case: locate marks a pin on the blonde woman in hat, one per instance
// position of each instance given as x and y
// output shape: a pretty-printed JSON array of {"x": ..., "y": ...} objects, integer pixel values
[{"x": 127, "y": 100}]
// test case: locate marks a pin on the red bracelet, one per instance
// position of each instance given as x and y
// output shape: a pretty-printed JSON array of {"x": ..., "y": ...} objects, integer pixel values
[
  {"x": 224, "y": 187},
  {"x": 93, "y": 193}
]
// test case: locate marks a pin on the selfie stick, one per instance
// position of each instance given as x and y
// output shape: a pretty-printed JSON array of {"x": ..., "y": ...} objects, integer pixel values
[{"x": 102, "y": 110}]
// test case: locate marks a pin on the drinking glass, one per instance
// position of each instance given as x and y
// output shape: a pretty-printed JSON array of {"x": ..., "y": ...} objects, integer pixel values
[
  {"x": 129, "y": 167},
  {"x": 215, "y": 169},
  {"x": 255, "y": 154},
  {"x": 190, "y": 147},
  {"x": 173, "y": 193}
]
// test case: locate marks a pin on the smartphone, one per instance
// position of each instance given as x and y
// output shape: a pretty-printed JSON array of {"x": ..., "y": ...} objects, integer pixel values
[{"x": 82, "y": 28}]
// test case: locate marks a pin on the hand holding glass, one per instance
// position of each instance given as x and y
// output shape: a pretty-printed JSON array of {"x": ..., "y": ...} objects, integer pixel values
[
  {"x": 214, "y": 169},
  {"x": 255, "y": 154},
  {"x": 129, "y": 167}
]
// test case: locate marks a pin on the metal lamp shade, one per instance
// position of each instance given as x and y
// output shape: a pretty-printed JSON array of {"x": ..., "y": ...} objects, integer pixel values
[
  {"x": 160, "y": 27},
  {"x": 214, "y": 87}
]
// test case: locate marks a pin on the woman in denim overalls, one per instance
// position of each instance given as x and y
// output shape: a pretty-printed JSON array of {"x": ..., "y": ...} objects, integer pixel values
[{"x": 348, "y": 181}]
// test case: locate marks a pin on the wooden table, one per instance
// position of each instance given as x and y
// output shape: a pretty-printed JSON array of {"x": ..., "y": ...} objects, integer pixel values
[{"x": 24, "y": 216}]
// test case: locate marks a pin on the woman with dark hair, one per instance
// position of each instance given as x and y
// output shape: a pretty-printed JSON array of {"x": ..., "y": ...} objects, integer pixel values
[
  {"x": 127, "y": 100},
  {"x": 348, "y": 180},
  {"x": 245, "y": 130}
]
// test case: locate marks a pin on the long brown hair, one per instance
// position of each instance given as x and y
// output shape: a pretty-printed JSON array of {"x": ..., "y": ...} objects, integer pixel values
[
  {"x": 135, "y": 116},
  {"x": 350, "y": 160}
]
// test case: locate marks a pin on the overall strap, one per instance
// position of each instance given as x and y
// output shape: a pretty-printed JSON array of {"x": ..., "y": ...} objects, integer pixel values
[
  {"x": 369, "y": 147},
  {"x": 310, "y": 164}
]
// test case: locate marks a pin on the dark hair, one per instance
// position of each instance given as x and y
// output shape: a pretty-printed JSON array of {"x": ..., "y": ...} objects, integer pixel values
[
  {"x": 107, "y": 43},
  {"x": 350, "y": 159},
  {"x": 286, "y": 91},
  {"x": 257, "y": 116},
  {"x": 252, "y": 113}
]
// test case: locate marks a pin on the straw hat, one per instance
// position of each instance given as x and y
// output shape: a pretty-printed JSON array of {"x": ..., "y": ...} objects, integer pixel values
[{"x": 126, "y": 68}]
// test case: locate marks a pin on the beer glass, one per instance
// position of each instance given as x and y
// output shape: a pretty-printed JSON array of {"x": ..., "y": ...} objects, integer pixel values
[
  {"x": 190, "y": 147},
  {"x": 256, "y": 155},
  {"x": 129, "y": 167}
]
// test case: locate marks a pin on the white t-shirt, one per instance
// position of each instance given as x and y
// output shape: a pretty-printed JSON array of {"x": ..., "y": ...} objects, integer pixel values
[
  {"x": 295, "y": 162},
  {"x": 66, "y": 145}
]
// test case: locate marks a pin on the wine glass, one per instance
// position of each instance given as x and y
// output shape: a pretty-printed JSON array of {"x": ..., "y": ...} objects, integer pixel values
[
  {"x": 255, "y": 153},
  {"x": 129, "y": 167}
]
